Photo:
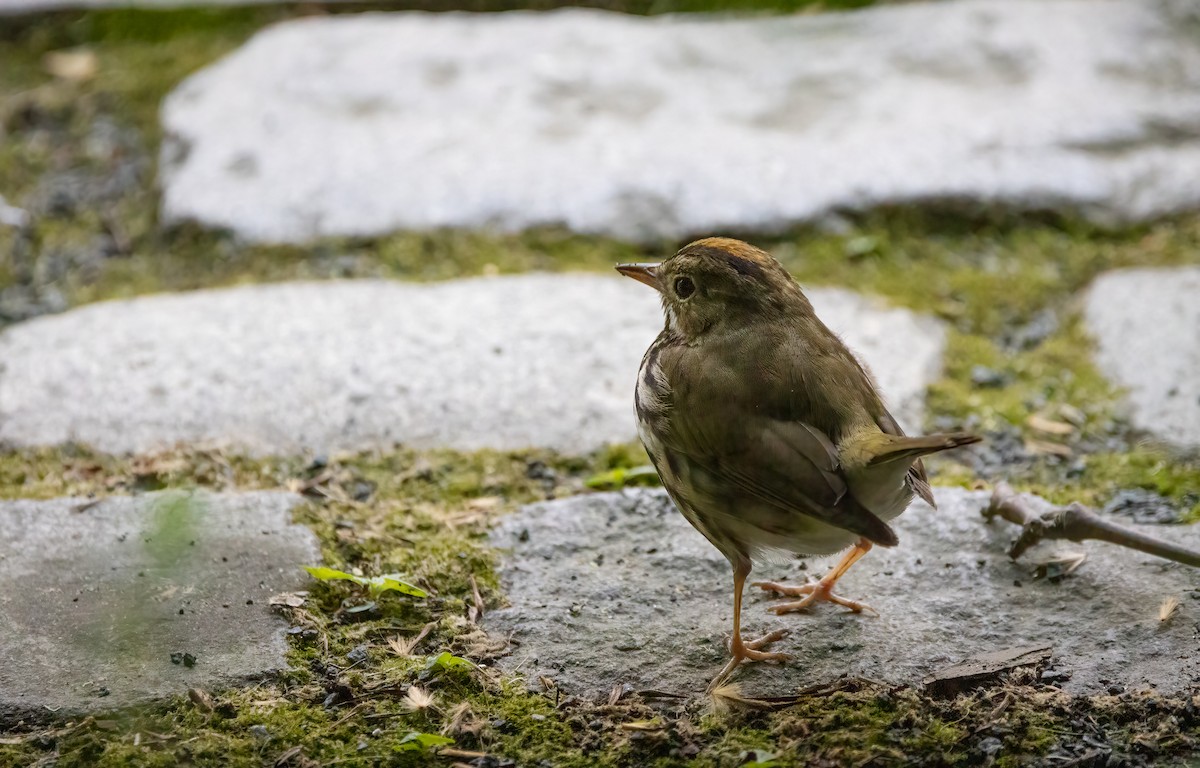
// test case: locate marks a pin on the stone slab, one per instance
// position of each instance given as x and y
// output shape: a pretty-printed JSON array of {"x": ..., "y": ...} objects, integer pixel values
[
  {"x": 504, "y": 362},
  {"x": 669, "y": 126},
  {"x": 96, "y": 596},
  {"x": 618, "y": 588},
  {"x": 38, "y": 6},
  {"x": 1146, "y": 323}
]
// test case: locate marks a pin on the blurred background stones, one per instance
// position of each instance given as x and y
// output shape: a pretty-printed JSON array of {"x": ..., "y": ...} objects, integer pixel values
[{"x": 693, "y": 124}]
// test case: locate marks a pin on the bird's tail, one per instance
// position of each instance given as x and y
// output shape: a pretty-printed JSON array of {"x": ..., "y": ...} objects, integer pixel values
[
  {"x": 878, "y": 448},
  {"x": 910, "y": 449}
]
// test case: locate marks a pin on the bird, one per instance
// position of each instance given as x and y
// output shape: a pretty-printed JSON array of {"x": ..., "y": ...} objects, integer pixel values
[{"x": 768, "y": 434}]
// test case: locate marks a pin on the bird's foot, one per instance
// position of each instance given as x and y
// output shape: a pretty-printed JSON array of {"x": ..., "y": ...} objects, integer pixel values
[
  {"x": 748, "y": 651},
  {"x": 813, "y": 592}
]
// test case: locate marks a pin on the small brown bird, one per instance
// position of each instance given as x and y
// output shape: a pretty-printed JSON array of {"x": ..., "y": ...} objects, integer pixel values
[{"x": 767, "y": 432}]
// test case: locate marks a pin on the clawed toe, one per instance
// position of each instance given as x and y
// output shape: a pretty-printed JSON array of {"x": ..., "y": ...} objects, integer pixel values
[
  {"x": 812, "y": 592},
  {"x": 785, "y": 589},
  {"x": 766, "y": 640},
  {"x": 750, "y": 651},
  {"x": 753, "y": 655},
  {"x": 741, "y": 651}
]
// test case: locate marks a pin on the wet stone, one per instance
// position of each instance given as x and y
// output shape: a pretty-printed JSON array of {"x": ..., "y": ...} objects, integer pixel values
[
  {"x": 1146, "y": 323},
  {"x": 505, "y": 362},
  {"x": 656, "y": 611},
  {"x": 125, "y": 600},
  {"x": 662, "y": 127}
]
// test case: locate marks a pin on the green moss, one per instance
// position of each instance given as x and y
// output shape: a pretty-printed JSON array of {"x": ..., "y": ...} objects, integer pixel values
[
  {"x": 1142, "y": 466},
  {"x": 1057, "y": 372},
  {"x": 425, "y": 514},
  {"x": 985, "y": 277},
  {"x": 203, "y": 260}
]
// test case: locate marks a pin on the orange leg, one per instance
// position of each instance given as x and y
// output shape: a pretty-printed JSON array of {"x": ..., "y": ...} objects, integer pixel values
[
  {"x": 740, "y": 650},
  {"x": 823, "y": 589}
]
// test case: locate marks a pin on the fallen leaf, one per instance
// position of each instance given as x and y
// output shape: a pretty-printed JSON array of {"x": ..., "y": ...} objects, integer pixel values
[
  {"x": 201, "y": 699},
  {"x": 982, "y": 668},
  {"x": 289, "y": 599},
  {"x": 1049, "y": 426},
  {"x": 76, "y": 64}
]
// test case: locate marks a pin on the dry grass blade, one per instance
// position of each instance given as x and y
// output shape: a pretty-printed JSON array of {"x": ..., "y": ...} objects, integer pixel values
[
  {"x": 1047, "y": 447},
  {"x": 727, "y": 698},
  {"x": 643, "y": 725},
  {"x": 466, "y": 754},
  {"x": 404, "y": 646},
  {"x": 475, "y": 612}
]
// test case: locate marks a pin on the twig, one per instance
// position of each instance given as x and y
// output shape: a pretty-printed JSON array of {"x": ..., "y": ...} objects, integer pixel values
[{"x": 1076, "y": 523}]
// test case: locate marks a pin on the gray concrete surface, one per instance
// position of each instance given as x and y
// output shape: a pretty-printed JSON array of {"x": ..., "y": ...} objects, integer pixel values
[
  {"x": 618, "y": 588},
  {"x": 1146, "y": 323},
  {"x": 39, "y": 6},
  {"x": 96, "y": 597},
  {"x": 505, "y": 362},
  {"x": 676, "y": 125}
]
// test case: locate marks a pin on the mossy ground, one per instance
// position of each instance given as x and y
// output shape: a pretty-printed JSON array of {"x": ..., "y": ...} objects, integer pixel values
[
  {"x": 349, "y": 698},
  {"x": 1006, "y": 285}
]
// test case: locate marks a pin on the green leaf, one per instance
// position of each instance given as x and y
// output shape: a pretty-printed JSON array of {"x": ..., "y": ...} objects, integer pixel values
[
  {"x": 391, "y": 582},
  {"x": 376, "y": 586},
  {"x": 759, "y": 758},
  {"x": 445, "y": 660},
  {"x": 321, "y": 573},
  {"x": 366, "y": 607},
  {"x": 414, "y": 740},
  {"x": 621, "y": 477}
]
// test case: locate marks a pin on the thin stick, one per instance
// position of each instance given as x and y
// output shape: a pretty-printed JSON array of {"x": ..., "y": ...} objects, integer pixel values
[{"x": 1076, "y": 523}]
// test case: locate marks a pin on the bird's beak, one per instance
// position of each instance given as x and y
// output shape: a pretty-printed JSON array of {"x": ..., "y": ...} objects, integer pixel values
[{"x": 643, "y": 273}]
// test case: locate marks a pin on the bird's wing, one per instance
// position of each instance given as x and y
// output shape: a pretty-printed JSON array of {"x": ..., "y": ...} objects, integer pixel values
[
  {"x": 917, "y": 479},
  {"x": 793, "y": 466}
]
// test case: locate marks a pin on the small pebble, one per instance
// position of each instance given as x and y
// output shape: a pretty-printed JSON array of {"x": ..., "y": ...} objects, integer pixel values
[{"x": 987, "y": 378}]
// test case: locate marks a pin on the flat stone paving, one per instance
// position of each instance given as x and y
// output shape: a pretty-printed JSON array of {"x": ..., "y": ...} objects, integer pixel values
[
  {"x": 1146, "y": 323},
  {"x": 505, "y": 362},
  {"x": 34, "y": 6},
  {"x": 669, "y": 126},
  {"x": 95, "y": 597},
  {"x": 619, "y": 589}
]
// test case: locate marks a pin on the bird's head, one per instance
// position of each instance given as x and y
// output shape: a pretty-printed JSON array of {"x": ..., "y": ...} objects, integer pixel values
[{"x": 717, "y": 282}]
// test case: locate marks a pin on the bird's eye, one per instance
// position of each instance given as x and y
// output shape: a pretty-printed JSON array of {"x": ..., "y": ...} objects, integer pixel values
[{"x": 684, "y": 287}]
